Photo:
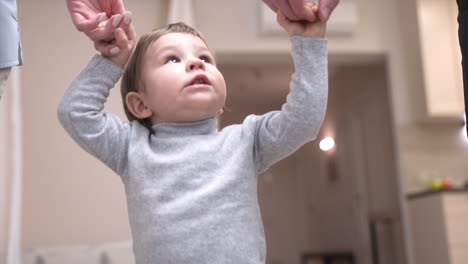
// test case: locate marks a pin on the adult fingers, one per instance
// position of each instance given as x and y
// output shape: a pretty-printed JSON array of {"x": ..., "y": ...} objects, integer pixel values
[
  {"x": 118, "y": 6},
  {"x": 87, "y": 24},
  {"x": 326, "y": 7},
  {"x": 271, "y": 4},
  {"x": 283, "y": 21},
  {"x": 126, "y": 21},
  {"x": 302, "y": 9},
  {"x": 285, "y": 7},
  {"x": 291, "y": 27},
  {"x": 112, "y": 7},
  {"x": 105, "y": 31}
]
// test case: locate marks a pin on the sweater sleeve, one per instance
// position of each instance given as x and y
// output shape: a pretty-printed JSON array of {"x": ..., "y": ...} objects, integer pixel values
[
  {"x": 280, "y": 133},
  {"x": 101, "y": 134}
]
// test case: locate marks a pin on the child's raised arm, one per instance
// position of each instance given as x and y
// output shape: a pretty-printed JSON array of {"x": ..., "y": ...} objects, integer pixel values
[
  {"x": 81, "y": 113},
  {"x": 280, "y": 133}
]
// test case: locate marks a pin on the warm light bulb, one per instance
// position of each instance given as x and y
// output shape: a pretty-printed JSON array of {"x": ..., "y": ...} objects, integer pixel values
[{"x": 327, "y": 143}]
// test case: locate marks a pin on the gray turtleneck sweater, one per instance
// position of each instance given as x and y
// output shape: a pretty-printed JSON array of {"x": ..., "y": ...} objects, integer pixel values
[{"x": 191, "y": 189}]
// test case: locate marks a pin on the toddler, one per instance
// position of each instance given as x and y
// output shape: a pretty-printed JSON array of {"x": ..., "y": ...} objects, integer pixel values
[{"x": 191, "y": 189}]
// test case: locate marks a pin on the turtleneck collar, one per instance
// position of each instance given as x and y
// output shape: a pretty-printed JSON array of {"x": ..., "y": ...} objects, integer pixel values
[{"x": 204, "y": 127}]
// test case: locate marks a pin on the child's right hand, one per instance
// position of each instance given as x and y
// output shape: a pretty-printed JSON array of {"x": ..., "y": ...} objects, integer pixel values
[
  {"x": 125, "y": 39},
  {"x": 314, "y": 29}
]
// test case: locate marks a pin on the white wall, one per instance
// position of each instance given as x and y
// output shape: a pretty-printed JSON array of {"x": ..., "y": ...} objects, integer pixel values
[
  {"x": 5, "y": 170},
  {"x": 69, "y": 197},
  {"x": 232, "y": 28}
]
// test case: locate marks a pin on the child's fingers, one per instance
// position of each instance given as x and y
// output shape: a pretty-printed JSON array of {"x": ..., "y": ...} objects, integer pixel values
[
  {"x": 123, "y": 47},
  {"x": 121, "y": 39},
  {"x": 106, "y": 48},
  {"x": 131, "y": 34}
]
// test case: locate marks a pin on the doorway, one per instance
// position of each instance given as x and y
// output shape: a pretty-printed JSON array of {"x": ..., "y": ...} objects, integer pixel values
[
  {"x": 366, "y": 185},
  {"x": 340, "y": 202}
]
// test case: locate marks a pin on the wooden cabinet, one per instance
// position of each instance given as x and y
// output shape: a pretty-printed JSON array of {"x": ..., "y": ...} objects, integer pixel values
[
  {"x": 439, "y": 225},
  {"x": 440, "y": 59}
]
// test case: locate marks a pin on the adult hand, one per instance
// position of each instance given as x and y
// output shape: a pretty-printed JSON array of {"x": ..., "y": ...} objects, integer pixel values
[
  {"x": 296, "y": 10},
  {"x": 98, "y": 19},
  {"x": 326, "y": 7},
  {"x": 314, "y": 29}
]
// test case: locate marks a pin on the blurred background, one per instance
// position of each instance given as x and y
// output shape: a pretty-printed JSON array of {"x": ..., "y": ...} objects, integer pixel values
[{"x": 396, "y": 170}]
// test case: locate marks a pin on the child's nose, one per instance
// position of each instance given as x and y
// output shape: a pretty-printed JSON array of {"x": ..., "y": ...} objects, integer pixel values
[{"x": 195, "y": 64}]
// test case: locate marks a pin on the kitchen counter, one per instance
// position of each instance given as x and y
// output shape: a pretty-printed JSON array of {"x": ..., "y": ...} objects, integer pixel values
[
  {"x": 439, "y": 226},
  {"x": 421, "y": 194}
]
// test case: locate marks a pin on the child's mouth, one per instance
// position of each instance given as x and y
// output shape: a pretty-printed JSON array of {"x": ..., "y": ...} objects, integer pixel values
[{"x": 198, "y": 80}]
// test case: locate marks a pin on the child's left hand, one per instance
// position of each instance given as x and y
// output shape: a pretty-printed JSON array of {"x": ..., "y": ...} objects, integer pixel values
[{"x": 314, "y": 29}]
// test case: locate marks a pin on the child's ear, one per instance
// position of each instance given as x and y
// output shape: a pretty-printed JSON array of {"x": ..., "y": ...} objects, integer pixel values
[{"x": 137, "y": 106}]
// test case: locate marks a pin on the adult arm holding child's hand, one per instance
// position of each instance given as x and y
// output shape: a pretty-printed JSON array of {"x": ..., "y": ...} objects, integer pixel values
[
  {"x": 314, "y": 29},
  {"x": 297, "y": 10},
  {"x": 98, "y": 19}
]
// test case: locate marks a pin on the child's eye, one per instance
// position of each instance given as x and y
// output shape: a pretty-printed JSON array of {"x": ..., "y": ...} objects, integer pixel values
[
  {"x": 172, "y": 59},
  {"x": 205, "y": 59}
]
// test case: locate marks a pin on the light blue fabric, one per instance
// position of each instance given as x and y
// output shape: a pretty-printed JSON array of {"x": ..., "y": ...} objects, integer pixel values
[
  {"x": 191, "y": 189},
  {"x": 10, "y": 44}
]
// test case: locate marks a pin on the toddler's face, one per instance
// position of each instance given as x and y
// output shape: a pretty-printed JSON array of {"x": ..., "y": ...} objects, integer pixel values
[{"x": 180, "y": 80}]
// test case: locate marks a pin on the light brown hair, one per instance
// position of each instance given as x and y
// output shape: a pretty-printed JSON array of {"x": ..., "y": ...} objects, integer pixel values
[{"x": 131, "y": 80}]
